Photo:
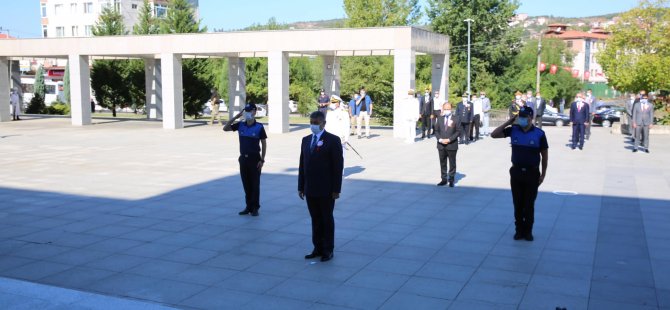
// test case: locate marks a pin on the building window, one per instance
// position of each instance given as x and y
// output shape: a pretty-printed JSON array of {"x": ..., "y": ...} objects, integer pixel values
[
  {"x": 58, "y": 9},
  {"x": 88, "y": 7},
  {"x": 60, "y": 32},
  {"x": 117, "y": 5},
  {"x": 160, "y": 10},
  {"x": 73, "y": 8},
  {"x": 134, "y": 6},
  {"x": 75, "y": 31},
  {"x": 44, "y": 31},
  {"x": 569, "y": 44},
  {"x": 43, "y": 8},
  {"x": 88, "y": 30}
]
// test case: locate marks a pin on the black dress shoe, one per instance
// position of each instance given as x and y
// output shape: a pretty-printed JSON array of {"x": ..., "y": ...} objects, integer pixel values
[
  {"x": 581, "y": 148},
  {"x": 529, "y": 237},
  {"x": 634, "y": 150},
  {"x": 244, "y": 212},
  {"x": 572, "y": 147},
  {"x": 314, "y": 254},
  {"x": 646, "y": 151},
  {"x": 451, "y": 183},
  {"x": 254, "y": 212},
  {"x": 327, "y": 257},
  {"x": 442, "y": 183},
  {"x": 518, "y": 236}
]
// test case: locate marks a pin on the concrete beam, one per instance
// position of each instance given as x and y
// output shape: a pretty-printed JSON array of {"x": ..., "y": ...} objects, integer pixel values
[
  {"x": 278, "y": 91},
  {"x": 4, "y": 90},
  {"x": 237, "y": 85},
  {"x": 80, "y": 90},
  {"x": 440, "y": 75},
  {"x": 404, "y": 78},
  {"x": 154, "y": 88},
  {"x": 331, "y": 75},
  {"x": 173, "y": 97}
]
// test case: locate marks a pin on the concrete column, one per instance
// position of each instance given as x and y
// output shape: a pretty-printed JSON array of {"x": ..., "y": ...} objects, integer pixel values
[
  {"x": 404, "y": 78},
  {"x": 154, "y": 88},
  {"x": 80, "y": 90},
  {"x": 4, "y": 90},
  {"x": 331, "y": 75},
  {"x": 173, "y": 97},
  {"x": 237, "y": 85},
  {"x": 440, "y": 75},
  {"x": 15, "y": 67},
  {"x": 278, "y": 91}
]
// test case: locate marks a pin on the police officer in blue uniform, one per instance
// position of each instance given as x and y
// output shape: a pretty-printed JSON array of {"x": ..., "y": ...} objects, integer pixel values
[
  {"x": 529, "y": 149},
  {"x": 252, "y": 155}
]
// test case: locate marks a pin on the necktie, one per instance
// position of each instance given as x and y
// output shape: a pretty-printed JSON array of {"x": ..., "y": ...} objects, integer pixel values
[
  {"x": 579, "y": 106},
  {"x": 313, "y": 145},
  {"x": 644, "y": 107}
]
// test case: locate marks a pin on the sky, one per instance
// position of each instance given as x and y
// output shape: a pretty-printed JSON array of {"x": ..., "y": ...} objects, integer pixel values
[{"x": 22, "y": 18}]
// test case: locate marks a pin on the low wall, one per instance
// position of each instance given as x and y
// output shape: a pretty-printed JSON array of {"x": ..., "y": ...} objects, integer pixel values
[{"x": 619, "y": 129}]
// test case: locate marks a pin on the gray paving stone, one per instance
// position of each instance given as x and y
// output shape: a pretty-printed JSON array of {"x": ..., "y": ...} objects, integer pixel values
[
  {"x": 117, "y": 262},
  {"x": 203, "y": 275},
  {"x": 78, "y": 277},
  {"x": 251, "y": 282},
  {"x": 550, "y": 300},
  {"x": 218, "y": 297},
  {"x": 356, "y": 297},
  {"x": 508, "y": 294},
  {"x": 36, "y": 270},
  {"x": 559, "y": 285},
  {"x": 378, "y": 280},
  {"x": 446, "y": 272},
  {"x": 431, "y": 287},
  {"x": 305, "y": 290},
  {"x": 411, "y": 301},
  {"x": 627, "y": 294}
]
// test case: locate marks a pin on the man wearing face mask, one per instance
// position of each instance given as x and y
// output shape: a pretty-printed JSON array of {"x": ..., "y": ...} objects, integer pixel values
[
  {"x": 590, "y": 101},
  {"x": 643, "y": 120},
  {"x": 447, "y": 131},
  {"x": 252, "y": 155},
  {"x": 486, "y": 108},
  {"x": 529, "y": 150},
  {"x": 579, "y": 117},
  {"x": 476, "y": 120},
  {"x": 627, "y": 121},
  {"x": 465, "y": 114},
  {"x": 323, "y": 101},
  {"x": 320, "y": 183},
  {"x": 516, "y": 105},
  {"x": 364, "y": 109},
  {"x": 541, "y": 105},
  {"x": 337, "y": 119},
  {"x": 530, "y": 102},
  {"x": 410, "y": 113},
  {"x": 426, "y": 108}
]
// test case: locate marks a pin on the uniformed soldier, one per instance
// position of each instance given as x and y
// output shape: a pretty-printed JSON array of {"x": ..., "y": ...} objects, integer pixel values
[
  {"x": 252, "y": 155},
  {"x": 516, "y": 104},
  {"x": 529, "y": 149}
]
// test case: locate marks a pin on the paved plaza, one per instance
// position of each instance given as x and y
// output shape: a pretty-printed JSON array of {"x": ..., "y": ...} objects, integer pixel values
[{"x": 125, "y": 215}]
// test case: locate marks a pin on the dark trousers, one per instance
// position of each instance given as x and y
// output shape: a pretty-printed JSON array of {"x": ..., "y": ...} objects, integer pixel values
[
  {"x": 426, "y": 125},
  {"x": 642, "y": 135},
  {"x": 587, "y": 131},
  {"x": 465, "y": 129},
  {"x": 578, "y": 135},
  {"x": 323, "y": 224},
  {"x": 524, "y": 183},
  {"x": 474, "y": 127},
  {"x": 538, "y": 121},
  {"x": 251, "y": 180},
  {"x": 447, "y": 172}
]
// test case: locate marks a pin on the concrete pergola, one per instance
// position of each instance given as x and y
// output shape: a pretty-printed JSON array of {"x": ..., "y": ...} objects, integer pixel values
[{"x": 163, "y": 54}]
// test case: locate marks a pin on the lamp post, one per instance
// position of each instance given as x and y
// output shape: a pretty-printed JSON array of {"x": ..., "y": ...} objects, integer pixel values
[
  {"x": 468, "y": 21},
  {"x": 539, "y": 53}
]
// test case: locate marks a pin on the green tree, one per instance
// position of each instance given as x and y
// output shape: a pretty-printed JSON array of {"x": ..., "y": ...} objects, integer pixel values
[
  {"x": 637, "y": 55},
  {"x": 109, "y": 23},
  {"x": 381, "y": 13},
  {"x": 66, "y": 84},
  {"x": 180, "y": 18},
  {"x": 36, "y": 105},
  {"x": 147, "y": 23},
  {"x": 39, "y": 86}
]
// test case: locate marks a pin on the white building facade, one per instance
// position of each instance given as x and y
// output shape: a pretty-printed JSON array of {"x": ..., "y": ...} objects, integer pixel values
[{"x": 76, "y": 18}]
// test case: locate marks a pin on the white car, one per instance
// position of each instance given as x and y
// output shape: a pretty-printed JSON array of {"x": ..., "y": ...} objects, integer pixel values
[
  {"x": 261, "y": 110},
  {"x": 292, "y": 106},
  {"x": 208, "y": 107}
]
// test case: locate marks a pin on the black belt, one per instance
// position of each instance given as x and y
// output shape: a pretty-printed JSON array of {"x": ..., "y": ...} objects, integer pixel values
[
  {"x": 524, "y": 169},
  {"x": 250, "y": 155}
]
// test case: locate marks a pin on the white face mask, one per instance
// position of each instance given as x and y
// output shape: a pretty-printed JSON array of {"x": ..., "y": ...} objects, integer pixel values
[
  {"x": 315, "y": 128},
  {"x": 465, "y": 100},
  {"x": 518, "y": 97},
  {"x": 332, "y": 106},
  {"x": 248, "y": 116},
  {"x": 644, "y": 100},
  {"x": 538, "y": 97},
  {"x": 446, "y": 113},
  {"x": 482, "y": 96}
]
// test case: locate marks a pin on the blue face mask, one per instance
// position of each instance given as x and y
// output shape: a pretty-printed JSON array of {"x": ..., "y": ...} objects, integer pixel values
[
  {"x": 523, "y": 122},
  {"x": 315, "y": 128}
]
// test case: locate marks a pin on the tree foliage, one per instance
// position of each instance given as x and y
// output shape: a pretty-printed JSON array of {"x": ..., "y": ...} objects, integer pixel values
[
  {"x": 109, "y": 23},
  {"x": 147, "y": 23},
  {"x": 180, "y": 18},
  {"x": 637, "y": 55},
  {"x": 66, "y": 84},
  {"x": 381, "y": 13},
  {"x": 40, "y": 87}
]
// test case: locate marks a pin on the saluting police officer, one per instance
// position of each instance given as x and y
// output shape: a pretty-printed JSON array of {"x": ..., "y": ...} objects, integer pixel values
[
  {"x": 529, "y": 148},
  {"x": 252, "y": 155}
]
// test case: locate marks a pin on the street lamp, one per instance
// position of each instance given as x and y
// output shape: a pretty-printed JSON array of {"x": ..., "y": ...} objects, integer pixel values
[{"x": 468, "y": 21}]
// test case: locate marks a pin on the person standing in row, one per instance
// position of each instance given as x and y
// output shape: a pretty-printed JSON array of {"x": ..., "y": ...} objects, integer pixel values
[
  {"x": 516, "y": 105},
  {"x": 252, "y": 155},
  {"x": 447, "y": 131},
  {"x": 628, "y": 120},
  {"x": 591, "y": 102},
  {"x": 643, "y": 120},
  {"x": 486, "y": 108},
  {"x": 437, "y": 109},
  {"x": 411, "y": 110},
  {"x": 541, "y": 105},
  {"x": 337, "y": 120},
  {"x": 353, "y": 112},
  {"x": 579, "y": 117},
  {"x": 215, "y": 102},
  {"x": 530, "y": 102},
  {"x": 320, "y": 183},
  {"x": 426, "y": 116},
  {"x": 464, "y": 114},
  {"x": 323, "y": 102},
  {"x": 364, "y": 109},
  {"x": 473, "y": 133},
  {"x": 15, "y": 102},
  {"x": 529, "y": 149}
]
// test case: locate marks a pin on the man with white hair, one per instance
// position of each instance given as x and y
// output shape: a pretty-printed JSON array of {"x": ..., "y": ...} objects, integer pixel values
[
  {"x": 14, "y": 100},
  {"x": 410, "y": 115}
]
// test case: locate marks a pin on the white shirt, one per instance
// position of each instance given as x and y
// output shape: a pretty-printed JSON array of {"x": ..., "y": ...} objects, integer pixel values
[
  {"x": 437, "y": 103},
  {"x": 477, "y": 107}
]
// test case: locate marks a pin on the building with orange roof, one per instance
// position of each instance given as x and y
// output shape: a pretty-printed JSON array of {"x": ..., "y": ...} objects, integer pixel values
[{"x": 586, "y": 45}]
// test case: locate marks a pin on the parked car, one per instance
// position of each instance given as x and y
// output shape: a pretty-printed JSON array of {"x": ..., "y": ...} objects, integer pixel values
[
  {"x": 607, "y": 117},
  {"x": 208, "y": 107},
  {"x": 553, "y": 118}
]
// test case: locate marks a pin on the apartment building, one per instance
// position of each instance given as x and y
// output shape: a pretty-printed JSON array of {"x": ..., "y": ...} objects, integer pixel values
[
  {"x": 586, "y": 45},
  {"x": 76, "y": 18}
]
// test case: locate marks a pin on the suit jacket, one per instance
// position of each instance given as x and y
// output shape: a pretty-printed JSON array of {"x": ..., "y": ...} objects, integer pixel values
[
  {"x": 541, "y": 106},
  {"x": 642, "y": 117},
  {"x": 532, "y": 104},
  {"x": 426, "y": 107},
  {"x": 579, "y": 116},
  {"x": 464, "y": 114},
  {"x": 320, "y": 171},
  {"x": 448, "y": 132}
]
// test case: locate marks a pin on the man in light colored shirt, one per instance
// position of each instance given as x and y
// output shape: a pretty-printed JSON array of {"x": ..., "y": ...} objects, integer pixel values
[
  {"x": 14, "y": 101},
  {"x": 486, "y": 108},
  {"x": 476, "y": 119}
]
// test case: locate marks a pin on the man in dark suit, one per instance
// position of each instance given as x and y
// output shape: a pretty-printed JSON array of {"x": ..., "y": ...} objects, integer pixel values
[
  {"x": 465, "y": 114},
  {"x": 541, "y": 105},
  {"x": 447, "y": 131},
  {"x": 643, "y": 120},
  {"x": 320, "y": 181},
  {"x": 426, "y": 108},
  {"x": 579, "y": 117}
]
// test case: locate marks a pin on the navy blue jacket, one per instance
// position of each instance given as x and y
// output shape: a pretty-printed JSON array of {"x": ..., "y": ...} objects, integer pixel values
[
  {"x": 320, "y": 172},
  {"x": 579, "y": 117}
]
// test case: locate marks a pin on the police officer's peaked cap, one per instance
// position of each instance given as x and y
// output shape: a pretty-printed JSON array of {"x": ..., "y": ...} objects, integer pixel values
[
  {"x": 526, "y": 111},
  {"x": 249, "y": 107},
  {"x": 518, "y": 93}
]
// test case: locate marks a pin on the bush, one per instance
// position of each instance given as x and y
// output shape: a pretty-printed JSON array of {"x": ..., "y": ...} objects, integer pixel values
[
  {"x": 36, "y": 105},
  {"x": 58, "y": 108}
]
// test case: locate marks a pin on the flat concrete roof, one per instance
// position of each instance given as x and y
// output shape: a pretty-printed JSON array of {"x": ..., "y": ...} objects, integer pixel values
[{"x": 301, "y": 42}]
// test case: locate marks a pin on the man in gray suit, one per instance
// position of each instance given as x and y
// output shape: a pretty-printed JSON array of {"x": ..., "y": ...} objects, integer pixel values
[{"x": 643, "y": 119}]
